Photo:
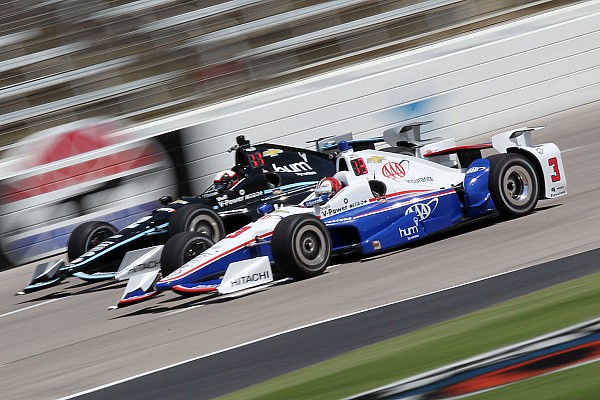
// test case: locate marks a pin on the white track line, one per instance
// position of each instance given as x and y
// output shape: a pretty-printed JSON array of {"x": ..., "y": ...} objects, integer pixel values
[
  {"x": 184, "y": 310},
  {"x": 33, "y": 306},
  {"x": 283, "y": 333},
  {"x": 571, "y": 149}
]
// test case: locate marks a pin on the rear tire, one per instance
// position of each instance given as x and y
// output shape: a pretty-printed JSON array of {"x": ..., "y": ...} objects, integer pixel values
[
  {"x": 181, "y": 248},
  {"x": 301, "y": 246},
  {"x": 87, "y": 236},
  {"x": 513, "y": 184},
  {"x": 198, "y": 218}
]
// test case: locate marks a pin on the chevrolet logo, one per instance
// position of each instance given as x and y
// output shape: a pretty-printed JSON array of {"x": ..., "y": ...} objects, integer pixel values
[
  {"x": 375, "y": 159},
  {"x": 272, "y": 152}
]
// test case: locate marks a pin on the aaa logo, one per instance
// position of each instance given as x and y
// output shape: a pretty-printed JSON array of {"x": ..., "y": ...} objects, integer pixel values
[
  {"x": 395, "y": 170},
  {"x": 423, "y": 210}
]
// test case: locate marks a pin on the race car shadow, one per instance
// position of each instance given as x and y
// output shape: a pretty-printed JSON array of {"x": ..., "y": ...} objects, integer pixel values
[
  {"x": 248, "y": 292},
  {"x": 165, "y": 305},
  {"x": 50, "y": 296},
  {"x": 548, "y": 207},
  {"x": 98, "y": 286},
  {"x": 64, "y": 290}
]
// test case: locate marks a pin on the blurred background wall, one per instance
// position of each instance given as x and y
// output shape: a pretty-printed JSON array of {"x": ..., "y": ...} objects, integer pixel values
[
  {"x": 62, "y": 61},
  {"x": 77, "y": 77}
]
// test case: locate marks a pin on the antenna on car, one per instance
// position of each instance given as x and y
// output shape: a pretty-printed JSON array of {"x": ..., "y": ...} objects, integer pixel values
[{"x": 241, "y": 142}]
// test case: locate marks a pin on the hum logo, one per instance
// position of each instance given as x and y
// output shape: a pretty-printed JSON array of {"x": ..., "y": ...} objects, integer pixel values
[
  {"x": 411, "y": 232},
  {"x": 301, "y": 166}
]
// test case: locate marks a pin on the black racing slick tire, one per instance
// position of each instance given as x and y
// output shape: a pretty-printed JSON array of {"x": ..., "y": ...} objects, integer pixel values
[
  {"x": 87, "y": 236},
  {"x": 197, "y": 218},
  {"x": 301, "y": 246},
  {"x": 513, "y": 184},
  {"x": 181, "y": 248}
]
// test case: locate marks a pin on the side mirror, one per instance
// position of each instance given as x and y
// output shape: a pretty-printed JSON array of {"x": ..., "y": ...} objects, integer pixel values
[
  {"x": 316, "y": 201},
  {"x": 264, "y": 209},
  {"x": 165, "y": 200}
]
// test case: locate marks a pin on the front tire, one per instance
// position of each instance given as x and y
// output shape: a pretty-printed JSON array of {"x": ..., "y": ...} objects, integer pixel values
[
  {"x": 513, "y": 184},
  {"x": 181, "y": 248},
  {"x": 198, "y": 218},
  {"x": 87, "y": 236},
  {"x": 301, "y": 246}
]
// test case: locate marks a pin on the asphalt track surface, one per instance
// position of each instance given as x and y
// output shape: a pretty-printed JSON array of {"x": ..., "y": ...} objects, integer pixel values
[{"x": 63, "y": 341}]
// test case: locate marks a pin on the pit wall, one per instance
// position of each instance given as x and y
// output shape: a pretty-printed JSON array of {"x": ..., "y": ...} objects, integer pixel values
[{"x": 483, "y": 82}]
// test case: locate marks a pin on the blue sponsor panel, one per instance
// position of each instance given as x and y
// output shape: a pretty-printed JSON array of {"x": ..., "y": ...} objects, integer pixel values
[
  {"x": 403, "y": 230},
  {"x": 437, "y": 212},
  {"x": 405, "y": 216}
]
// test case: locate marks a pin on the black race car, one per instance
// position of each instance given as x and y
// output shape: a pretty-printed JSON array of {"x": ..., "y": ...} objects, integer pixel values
[{"x": 263, "y": 173}]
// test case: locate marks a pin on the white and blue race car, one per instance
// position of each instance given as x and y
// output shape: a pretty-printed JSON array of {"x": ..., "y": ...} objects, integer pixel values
[{"x": 377, "y": 200}]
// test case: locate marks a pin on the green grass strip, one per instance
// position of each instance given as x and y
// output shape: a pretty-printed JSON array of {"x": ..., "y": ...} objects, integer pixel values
[
  {"x": 507, "y": 323},
  {"x": 580, "y": 383}
]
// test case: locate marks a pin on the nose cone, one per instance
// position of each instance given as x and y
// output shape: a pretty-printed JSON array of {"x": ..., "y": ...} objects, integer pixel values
[
  {"x": 164, "y": 285},
  {"x": 68, "y": 270}
]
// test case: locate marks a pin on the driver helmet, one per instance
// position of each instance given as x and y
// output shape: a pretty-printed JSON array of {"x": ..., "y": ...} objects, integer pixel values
[
  {"x": 328, "y": 186},
  {"x": 225, "y": 180}
]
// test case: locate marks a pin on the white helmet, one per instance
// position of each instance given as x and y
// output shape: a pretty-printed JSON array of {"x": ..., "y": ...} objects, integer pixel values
[{"x": 328, "y": 186}]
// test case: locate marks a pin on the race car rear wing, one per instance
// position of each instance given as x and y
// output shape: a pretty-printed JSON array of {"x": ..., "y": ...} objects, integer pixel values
[
  {"x": 466, "y": 154},
  {"x": 408, "y": 136},
  {"x": 546, "y": 157},
  {"x": 520, "y": 137},
  {"x": 329, "y": 144}
]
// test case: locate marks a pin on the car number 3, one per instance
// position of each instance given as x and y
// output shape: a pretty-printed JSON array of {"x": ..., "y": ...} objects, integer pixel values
[{"x": 553, "y": 162}]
